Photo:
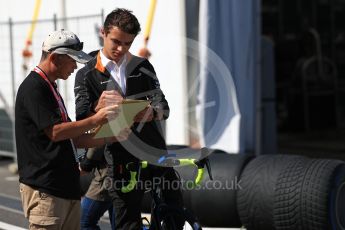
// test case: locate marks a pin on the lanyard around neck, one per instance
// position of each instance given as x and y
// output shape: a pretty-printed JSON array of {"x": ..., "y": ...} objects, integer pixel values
[
  {"x": 62, "y": 108},
  {"x": 56, "y": 94}
]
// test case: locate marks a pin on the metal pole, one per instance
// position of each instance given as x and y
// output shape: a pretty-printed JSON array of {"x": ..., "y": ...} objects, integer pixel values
[
  {"x": 55, "y": 21},
  {"x": 55, "y": 28},
  {"x": 12, "y": 61},
  {"x": 63, "y": 14},
  {"x": 10, "y": 23},
  {"x": 64, "y": 26},
  {"x": 102, "y": 16}
]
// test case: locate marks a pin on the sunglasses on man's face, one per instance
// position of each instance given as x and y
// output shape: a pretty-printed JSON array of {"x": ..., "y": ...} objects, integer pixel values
[{"x": 78, "y": 47}]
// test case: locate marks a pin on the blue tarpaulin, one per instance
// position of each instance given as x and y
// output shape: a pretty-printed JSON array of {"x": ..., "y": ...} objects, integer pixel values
[{"x": 229, "y": 37}]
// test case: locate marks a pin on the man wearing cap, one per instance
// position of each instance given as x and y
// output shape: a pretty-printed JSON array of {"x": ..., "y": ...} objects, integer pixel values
[{"x": 46, "y": 138}]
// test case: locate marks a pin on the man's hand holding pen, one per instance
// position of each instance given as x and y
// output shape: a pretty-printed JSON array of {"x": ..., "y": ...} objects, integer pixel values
[{"x": 110, "y": 97}]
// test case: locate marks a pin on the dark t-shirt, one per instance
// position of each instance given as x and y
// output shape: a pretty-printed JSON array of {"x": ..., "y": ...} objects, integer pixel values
[{"x": 45, "y": 165}]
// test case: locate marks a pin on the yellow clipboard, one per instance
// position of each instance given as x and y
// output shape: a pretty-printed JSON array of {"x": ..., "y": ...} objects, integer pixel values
[{"x": 128, "y": 110}]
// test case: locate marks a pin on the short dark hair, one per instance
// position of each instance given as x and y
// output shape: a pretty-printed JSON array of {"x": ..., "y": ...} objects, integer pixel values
[
  {"x": 124, "y": 20},
  {"x": 44, "y": 55}
]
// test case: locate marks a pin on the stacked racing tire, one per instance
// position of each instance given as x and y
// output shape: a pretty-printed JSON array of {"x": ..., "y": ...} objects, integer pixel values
[{"x": 292, "y": 193}]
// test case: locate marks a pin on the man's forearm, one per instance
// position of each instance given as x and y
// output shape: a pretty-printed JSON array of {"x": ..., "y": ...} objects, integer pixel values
[{"x": 69, "y": 130}]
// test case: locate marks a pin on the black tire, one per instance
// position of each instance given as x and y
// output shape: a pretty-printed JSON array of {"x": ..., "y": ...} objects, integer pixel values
[
  {"x": 255, "y": 199},
  {"x": 310, "y": 195},
  {"x": 214, "y": 202}
]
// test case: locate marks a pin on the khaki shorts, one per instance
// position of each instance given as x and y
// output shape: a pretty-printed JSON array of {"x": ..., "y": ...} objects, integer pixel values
[{"x": 45, "y": 211}]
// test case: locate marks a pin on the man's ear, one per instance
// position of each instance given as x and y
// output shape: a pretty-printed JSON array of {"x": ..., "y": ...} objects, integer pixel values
[
  {"x": 102, "y": 32},
  {"x": 54, "y": 58}
]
